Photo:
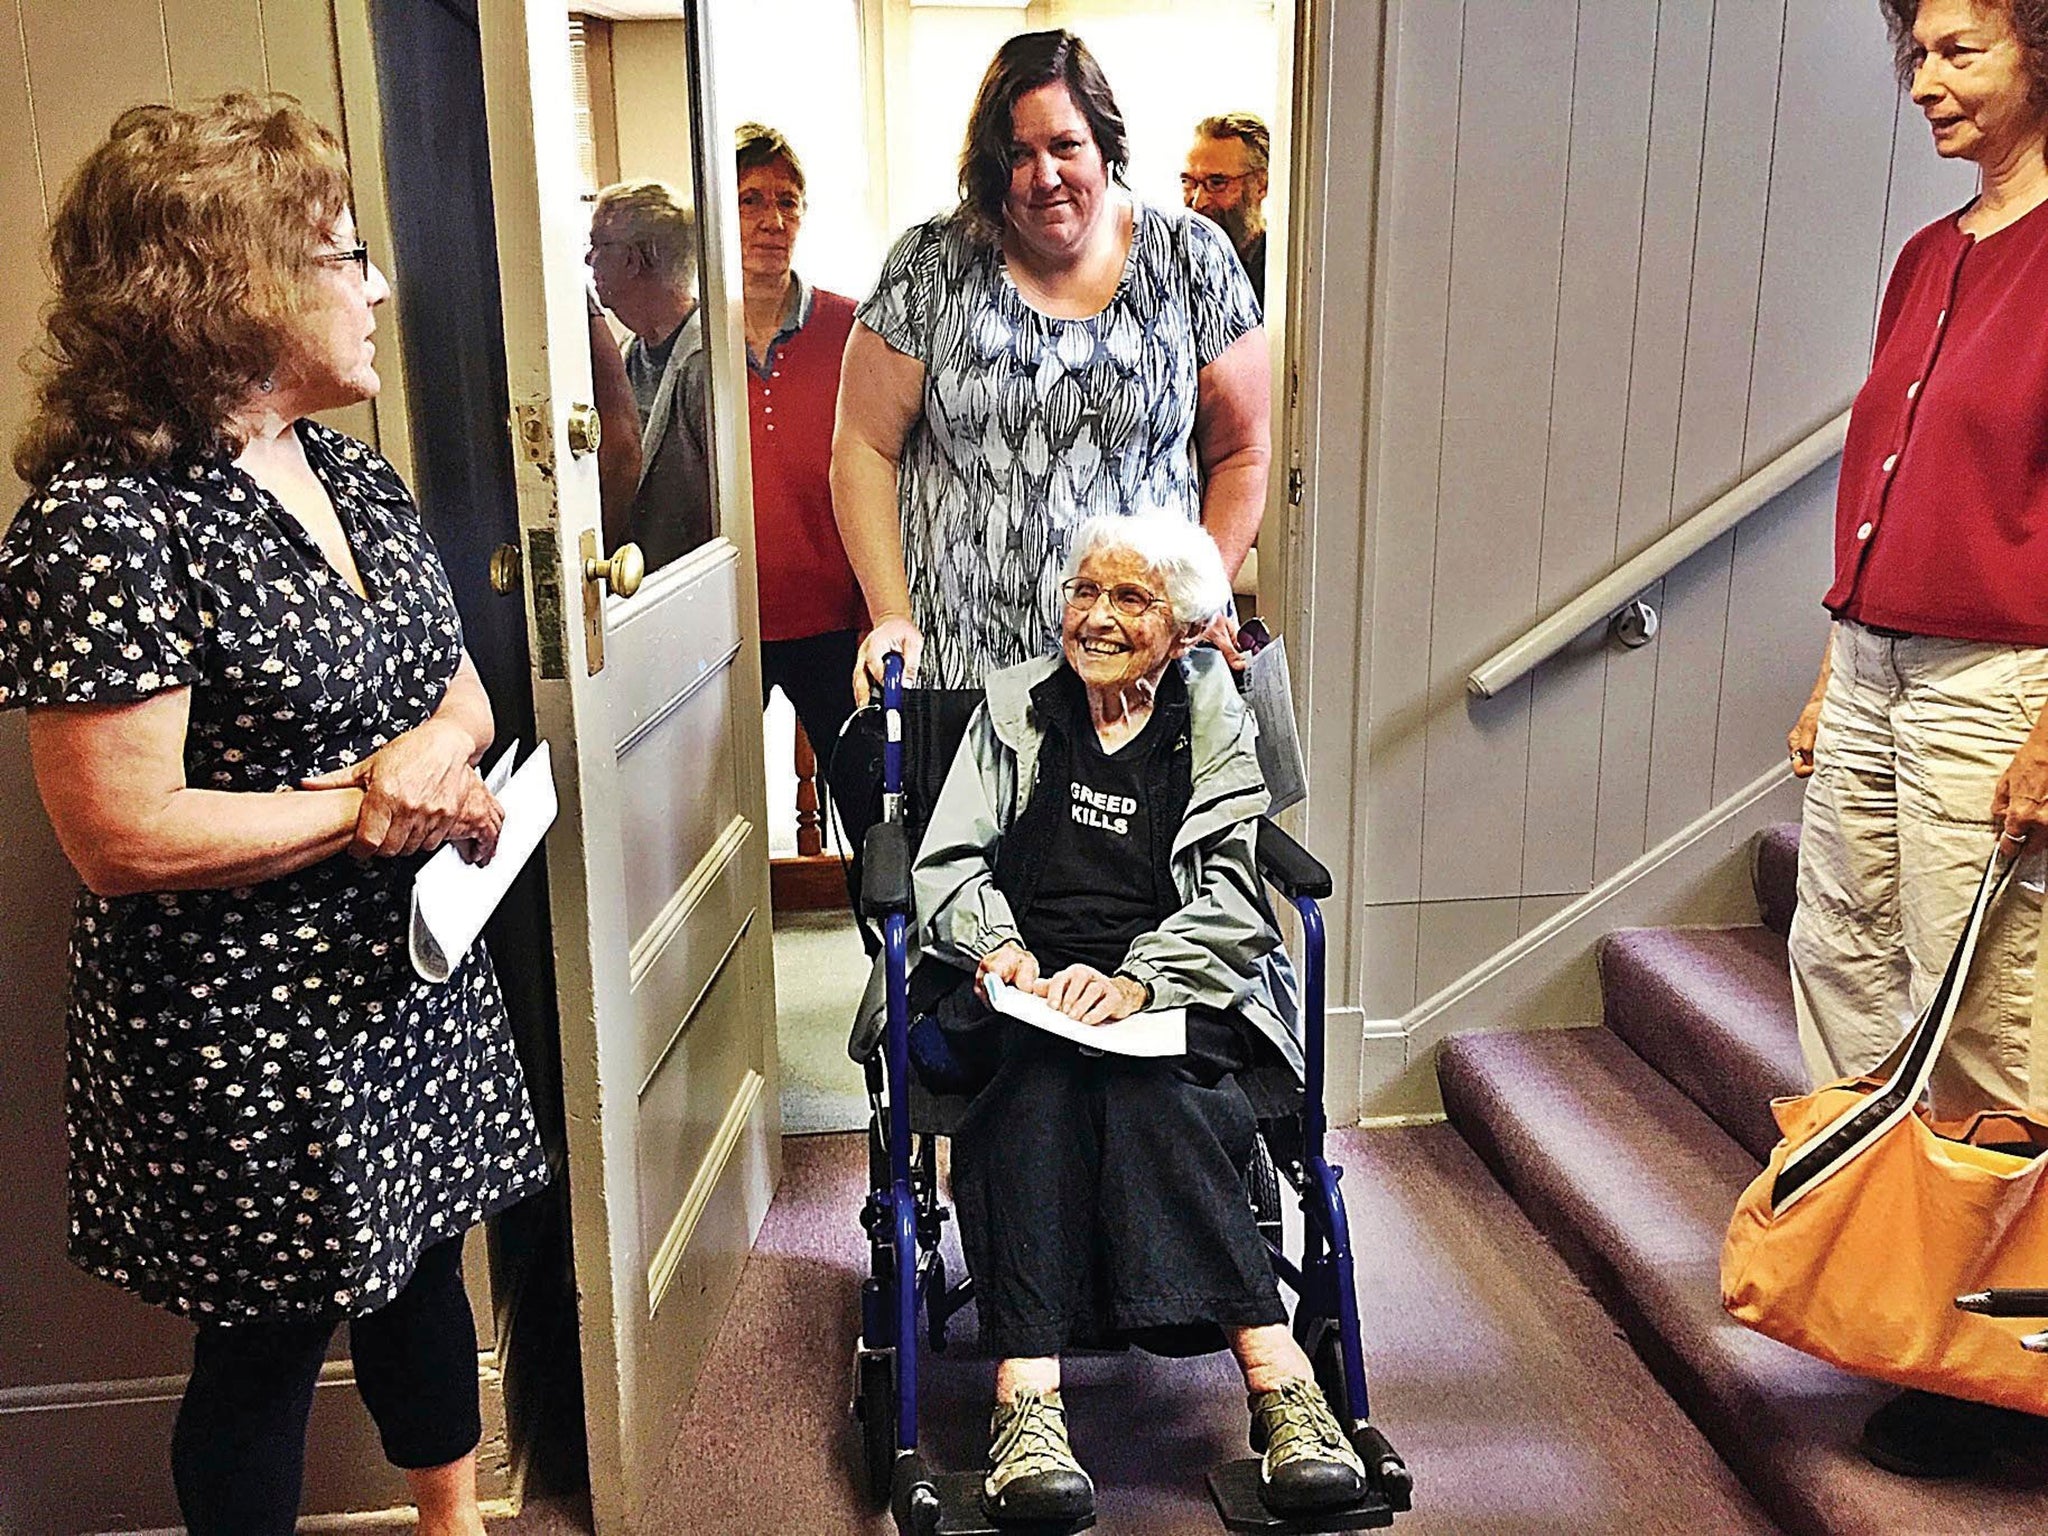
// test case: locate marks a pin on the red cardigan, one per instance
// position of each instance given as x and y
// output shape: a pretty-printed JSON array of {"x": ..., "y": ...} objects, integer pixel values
[
  {"x": 807, "y": 587},
  {"x": 1941, "y": 519}
]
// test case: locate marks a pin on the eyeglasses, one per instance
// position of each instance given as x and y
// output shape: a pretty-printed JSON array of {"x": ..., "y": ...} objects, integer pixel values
[
  {"x": 1127, "y": 598},
  {"x": 1216, "y": 183},
  {"x": 788, "y": 204},
  {"x": 359, "y": 254}
]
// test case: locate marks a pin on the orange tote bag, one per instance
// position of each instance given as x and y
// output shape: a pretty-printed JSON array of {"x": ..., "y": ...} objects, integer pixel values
[{"x": 1872, "y": 1217}]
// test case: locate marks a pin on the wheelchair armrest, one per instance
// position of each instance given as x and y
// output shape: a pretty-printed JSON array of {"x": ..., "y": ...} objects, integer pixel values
[
  {"x": 885, "y": 870},
  {"x": 1290, "y": 866}
]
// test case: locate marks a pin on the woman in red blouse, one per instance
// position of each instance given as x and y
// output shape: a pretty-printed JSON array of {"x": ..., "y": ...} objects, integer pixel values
[{"x": 1923, "y": 736}]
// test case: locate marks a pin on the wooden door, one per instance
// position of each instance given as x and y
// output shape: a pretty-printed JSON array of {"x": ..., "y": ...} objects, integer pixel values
[{"x": 658, "y": 866}]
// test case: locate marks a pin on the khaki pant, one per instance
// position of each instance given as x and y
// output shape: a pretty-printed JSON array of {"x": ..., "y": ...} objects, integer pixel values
[{"x": 1914, "y": 734}]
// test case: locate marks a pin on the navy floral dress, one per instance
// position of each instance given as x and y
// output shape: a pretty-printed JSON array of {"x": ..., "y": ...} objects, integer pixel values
[
  {"x": 1031, "y": 425},
  {"x": 269, "y": 1113}
]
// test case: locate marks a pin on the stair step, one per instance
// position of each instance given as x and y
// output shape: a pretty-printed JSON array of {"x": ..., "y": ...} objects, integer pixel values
[
  {"x": 1633, "y": 1183},
  {"x": 1774, "y": 875},
  {"x": 1711, "y": 1009}
]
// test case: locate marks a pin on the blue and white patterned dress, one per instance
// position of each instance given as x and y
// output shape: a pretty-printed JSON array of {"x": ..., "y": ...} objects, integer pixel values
[
  {"x": 1031, "y": 425},
  {"x": 269, "y": 1114}
]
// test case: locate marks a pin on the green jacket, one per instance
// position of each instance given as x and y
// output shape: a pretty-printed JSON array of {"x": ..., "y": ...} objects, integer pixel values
[{"x": 1220, "y": 948}]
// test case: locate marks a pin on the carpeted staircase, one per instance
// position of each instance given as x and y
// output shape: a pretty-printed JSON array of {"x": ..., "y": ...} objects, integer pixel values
[{"x": 1627, "y": 1145}]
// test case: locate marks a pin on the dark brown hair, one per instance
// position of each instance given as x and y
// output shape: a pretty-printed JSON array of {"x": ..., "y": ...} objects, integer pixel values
[
  {"x": 756, "y": 145},
  {"x": 2029, "y": 24},
  {"x": 181, "y": 252},
  {"x": 1023, "y": 64}
]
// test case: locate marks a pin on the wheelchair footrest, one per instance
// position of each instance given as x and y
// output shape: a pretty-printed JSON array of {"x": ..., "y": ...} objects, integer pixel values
[
  {"x": 1235, "y": 1488},
  {"x": 960, "y": 1512}
]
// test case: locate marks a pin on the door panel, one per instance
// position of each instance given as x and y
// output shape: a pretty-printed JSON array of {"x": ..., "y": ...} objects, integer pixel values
[
  {"x": 677, "y": 777},
  {"x": 683, "y": 954},
  {"x": 682, "y": 1110},
  {"x": 657, "y": 869}
]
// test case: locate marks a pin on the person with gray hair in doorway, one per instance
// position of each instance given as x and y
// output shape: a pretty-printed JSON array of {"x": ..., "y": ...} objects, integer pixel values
[
  {"x": 643, "y": 264},
  {"x": 1225, "y": 181}
]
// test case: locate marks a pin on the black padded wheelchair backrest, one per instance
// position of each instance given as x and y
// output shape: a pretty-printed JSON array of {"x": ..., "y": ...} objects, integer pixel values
[{"x": 934, "y": 721}]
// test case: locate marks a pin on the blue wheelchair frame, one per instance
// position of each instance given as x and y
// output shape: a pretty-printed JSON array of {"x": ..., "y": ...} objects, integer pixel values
[{"x": 1326, "y": 1314}]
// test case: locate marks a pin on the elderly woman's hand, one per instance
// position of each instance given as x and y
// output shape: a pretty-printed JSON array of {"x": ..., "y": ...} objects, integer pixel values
[
  {"x": 2020, "y": 803},
  {"x": 1011, "y": 964},
  {"x": 1087, "y": 996},
  {"x": 419, "y": 791}
]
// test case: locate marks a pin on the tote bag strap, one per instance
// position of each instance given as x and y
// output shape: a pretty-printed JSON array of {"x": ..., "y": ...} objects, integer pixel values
[{"x": 1906, "y": 1072}]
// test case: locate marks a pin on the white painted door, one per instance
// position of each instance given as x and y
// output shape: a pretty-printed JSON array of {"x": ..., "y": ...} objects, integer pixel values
[{"x": 658, "y": 867}]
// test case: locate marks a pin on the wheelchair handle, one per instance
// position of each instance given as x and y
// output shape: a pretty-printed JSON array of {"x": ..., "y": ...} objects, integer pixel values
[{"x": 892, "y": 738}]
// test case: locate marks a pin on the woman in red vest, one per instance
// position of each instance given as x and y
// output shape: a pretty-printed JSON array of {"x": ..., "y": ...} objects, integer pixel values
[{"x": 811, "y": 612}]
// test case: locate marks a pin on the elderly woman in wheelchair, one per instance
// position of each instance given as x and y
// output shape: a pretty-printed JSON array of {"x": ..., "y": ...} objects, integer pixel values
[{"x": 1094, "y": 846}]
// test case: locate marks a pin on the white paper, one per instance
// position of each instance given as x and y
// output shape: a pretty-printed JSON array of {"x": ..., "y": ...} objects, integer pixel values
[
  {"x": 1269, "y": 693},
  {"x": 452, "y": 899},
  {"x": 1155, "y": 1032}
]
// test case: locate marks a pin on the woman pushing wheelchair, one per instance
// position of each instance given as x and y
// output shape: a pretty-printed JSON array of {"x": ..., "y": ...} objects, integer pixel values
[{"x": 1094, "y": 845}]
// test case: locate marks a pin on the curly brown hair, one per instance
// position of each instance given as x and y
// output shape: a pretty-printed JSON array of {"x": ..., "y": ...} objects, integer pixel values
[
  {"x": 2029, "y": 24},
  {"x": 181, "y": 252},
  {"x": 1023, "y": 64}
]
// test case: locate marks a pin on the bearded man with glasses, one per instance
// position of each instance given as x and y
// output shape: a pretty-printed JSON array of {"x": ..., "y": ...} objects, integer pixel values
[{"x": 1225, "y": 182}]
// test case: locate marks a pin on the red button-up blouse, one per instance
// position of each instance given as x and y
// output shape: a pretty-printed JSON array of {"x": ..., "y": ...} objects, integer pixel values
[{"x": 1941, "y": 521}]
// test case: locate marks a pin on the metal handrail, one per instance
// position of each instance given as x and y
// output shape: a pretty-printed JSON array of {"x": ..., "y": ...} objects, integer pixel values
[{"x": 1548, "y": 636}]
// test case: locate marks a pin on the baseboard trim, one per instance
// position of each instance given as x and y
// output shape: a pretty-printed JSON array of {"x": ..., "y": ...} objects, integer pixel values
[{"x": 1547, "y": 978}]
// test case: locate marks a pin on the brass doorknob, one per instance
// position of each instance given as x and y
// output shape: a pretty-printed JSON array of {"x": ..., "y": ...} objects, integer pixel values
[
  {"x": 623, "y": 572},
  {"x": 505, "y": 565},
  {"x": 586, "y": 431}
]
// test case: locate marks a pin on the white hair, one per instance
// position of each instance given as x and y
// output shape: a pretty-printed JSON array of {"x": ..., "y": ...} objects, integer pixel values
[{"x": 1180, "y": 553}]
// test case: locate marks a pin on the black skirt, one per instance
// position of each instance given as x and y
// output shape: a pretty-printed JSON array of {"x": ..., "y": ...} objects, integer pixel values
[{"x": 1102, "y": 1198}]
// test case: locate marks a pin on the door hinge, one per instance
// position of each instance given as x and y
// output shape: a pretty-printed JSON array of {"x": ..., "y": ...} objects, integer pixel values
[{"x": 1294, "y": 486}]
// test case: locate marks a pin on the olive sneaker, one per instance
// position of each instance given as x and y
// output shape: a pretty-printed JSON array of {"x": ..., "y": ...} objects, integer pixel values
[
  {"x": 1306, "y": 1463},
  {"x": 1032, "y": 1473}
]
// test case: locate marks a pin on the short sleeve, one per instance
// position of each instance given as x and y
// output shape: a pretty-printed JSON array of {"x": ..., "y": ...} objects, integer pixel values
[
  {"x": 899, "y": 310},
  {"x": 93, "y": 605},
  {"x": 1220, "y": 298}
]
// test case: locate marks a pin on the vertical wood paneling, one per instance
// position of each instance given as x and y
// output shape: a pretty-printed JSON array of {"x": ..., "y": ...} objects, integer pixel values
[
  {"x": 1671, "y": 213},
  {"x": 1425, "y": 45},
  {"x": 21, "y": 244},
  {"x": 1331, "y": 668},
  {"x": 1455, "y": 936},
  {"x": 1828, "y": 197},
  {"x": 1685, "y": 708},
  {"x": 87, "y": 63},
  {"x": 1743, "y": 106},
  {"x": 1506, "y": 248},
  {"x": 1588, "y": 416},
  {"x": 1720, "y": 338},
  {"x": 1386, "y": 938},
  {"x": 1628, "y": 252},
  {"x": 299, "y": 52},
  {"x": 1776, "y": 627},
  {"x": 215, "y": 46}
]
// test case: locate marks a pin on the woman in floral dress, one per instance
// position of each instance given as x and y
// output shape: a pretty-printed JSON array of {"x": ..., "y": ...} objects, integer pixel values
[{"x": 251, "y": 716}]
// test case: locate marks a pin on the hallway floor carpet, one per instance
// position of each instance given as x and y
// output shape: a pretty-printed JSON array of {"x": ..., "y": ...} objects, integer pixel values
[{"x": 1501, "y": 1380}]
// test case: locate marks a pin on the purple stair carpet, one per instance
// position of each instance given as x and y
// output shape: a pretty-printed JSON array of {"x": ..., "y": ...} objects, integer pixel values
[{"x": 1627, "y": 1147}]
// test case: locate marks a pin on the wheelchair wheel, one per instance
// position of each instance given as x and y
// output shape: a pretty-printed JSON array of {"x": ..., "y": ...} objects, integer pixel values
[
  {"x": 875, "y": 1407},
  {"x": 1262, "y": 1187}
]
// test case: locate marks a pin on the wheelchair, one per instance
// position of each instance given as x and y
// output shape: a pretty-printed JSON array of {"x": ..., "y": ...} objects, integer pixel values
[{"x": 904, "y": 1218}]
